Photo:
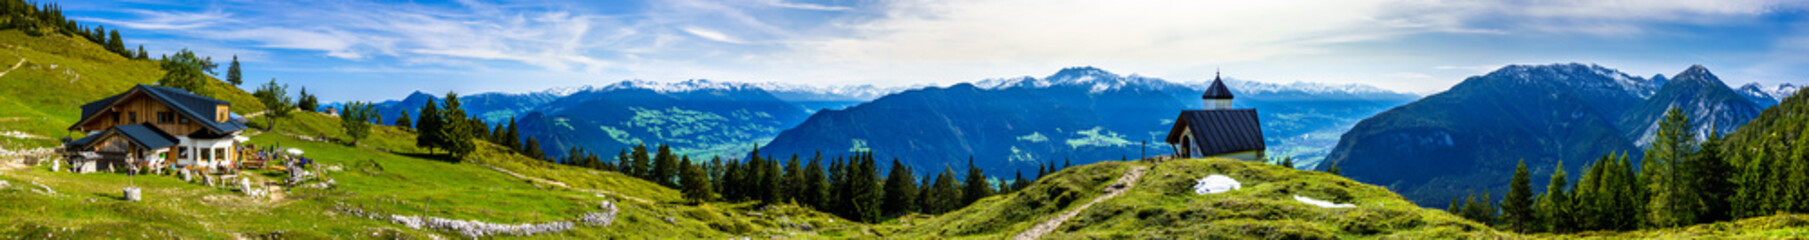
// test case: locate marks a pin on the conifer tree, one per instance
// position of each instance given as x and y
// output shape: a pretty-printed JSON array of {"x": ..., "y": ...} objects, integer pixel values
[
  {"x": 901, "y": 190},
  {"x": 837, "y": 183},
  {"x": 816, "y": 183},
  {"x": 457, "y": 131},
  {"x": 117, "y": 45},
  {"x": 1065, "y": 162},
  {"x": 142, "y": 55},
  {"x": 1554, "y": 208},
  {"x": 665, "y": 166},
  {"x": 533, "y": 150},
  {"x": 860, "y": 190},
  {"x": 975, "y": 186},
  {"x": 642, "y": 165},
  {"x": 1019, "y": 183},
  {"x": 307, "y": 102},
  {"x": 771, "y": 180},
  {"x": 794, "y": 179},
  {"x": 1517, "y": 204},
  {"x": 428, "y": 130},
  {"x": 1584, "y": 197},
  {"x": 512, "y": 137},
  {"x": 944, "y": 194},
  {"x": 403, "y": 121},
  {"x": 232, "y": 72},
  {"x": 732, "y": 179},
  {"x": 696, "y": 183},
  {"x": 1711, "y": 175},
  {"x": 1673, "y": 201}
]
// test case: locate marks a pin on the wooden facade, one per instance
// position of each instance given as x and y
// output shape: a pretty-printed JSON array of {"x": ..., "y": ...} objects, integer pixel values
[{"x": 138, "y": 108}]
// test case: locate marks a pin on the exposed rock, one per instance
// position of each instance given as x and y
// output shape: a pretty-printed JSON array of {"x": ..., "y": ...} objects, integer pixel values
[
  {"x": 134, "y": 194},
  {"x": 604, "y": 218},
  {"x": 671, "y": 220},
  {"x": 4, "y": 184}
]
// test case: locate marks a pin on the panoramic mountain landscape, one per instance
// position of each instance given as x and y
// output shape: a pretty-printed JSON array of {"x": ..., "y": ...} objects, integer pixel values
[{"x": 889, "y": 120}]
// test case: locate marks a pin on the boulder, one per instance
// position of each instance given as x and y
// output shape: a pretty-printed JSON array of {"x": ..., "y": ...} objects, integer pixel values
[{"x": 133, "y": 194}]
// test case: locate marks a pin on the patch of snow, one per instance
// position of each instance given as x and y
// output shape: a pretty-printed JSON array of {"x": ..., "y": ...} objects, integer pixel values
[
  {"x": 1322, "y": 203},
  {"x": 1215, "y": 184}
]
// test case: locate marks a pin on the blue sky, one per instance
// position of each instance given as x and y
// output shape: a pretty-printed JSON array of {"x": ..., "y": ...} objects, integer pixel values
[{"x": 373, "y": 50}]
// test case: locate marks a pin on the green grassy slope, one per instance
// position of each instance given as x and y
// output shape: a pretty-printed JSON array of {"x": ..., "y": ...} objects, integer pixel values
[
  {"x": 1162, "y": 205},
  {"x": 59, "y": 73},
  {"x": 374, "y": 179}
]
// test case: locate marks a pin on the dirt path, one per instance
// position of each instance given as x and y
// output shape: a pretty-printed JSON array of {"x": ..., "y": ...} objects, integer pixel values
[
  {"x": 15, "y": 67},
  {"x": 563, "y": 185},
  {"x": 1123, "y": 184}
]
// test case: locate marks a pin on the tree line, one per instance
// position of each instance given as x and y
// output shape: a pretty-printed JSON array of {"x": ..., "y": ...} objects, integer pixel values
[
  {"x": 36, "y": 20},
  {"x": 1680, "y": 182},
  {"x": 848, "y": 186}
]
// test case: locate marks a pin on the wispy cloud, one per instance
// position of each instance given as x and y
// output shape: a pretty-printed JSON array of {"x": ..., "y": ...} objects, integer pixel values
[
  {"x": 173, "y": 20},
  {"x": 805, "y": 6},
  {"x": 712, "y": 35}
]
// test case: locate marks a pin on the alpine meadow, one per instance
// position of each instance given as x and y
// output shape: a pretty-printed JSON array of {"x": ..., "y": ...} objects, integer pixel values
[{"x": 933, "y": 119}]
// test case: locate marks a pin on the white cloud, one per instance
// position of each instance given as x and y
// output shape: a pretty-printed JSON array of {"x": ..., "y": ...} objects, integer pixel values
[
  {"x": 154, "y": 20},
  {"x": 805, "y": 6},
  {"x": 712, "y": 35}
]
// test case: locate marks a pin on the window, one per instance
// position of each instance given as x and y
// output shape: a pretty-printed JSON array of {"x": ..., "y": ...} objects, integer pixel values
[
  {"x": 207, "y": 155},
  {"x": 166, "y": 117},
  {"x": 132, "y": 117},
  {"x": 182, "y": 152},
  {"x": 220, "y": 153},
  {"x": 184, "y": 120},
  {"x": 116, "y": 118}
]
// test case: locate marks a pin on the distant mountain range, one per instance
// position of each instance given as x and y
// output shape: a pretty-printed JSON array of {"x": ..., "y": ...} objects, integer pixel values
[
  {"x": 707, "y": 118},
  {"x": 1470, "y": 136},
  {"x": 1080, "y": 114}
]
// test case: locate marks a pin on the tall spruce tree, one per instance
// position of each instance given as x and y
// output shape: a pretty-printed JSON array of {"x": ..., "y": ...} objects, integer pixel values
[
  {"x": 232, "y": 70},
  {"x": 901, "y": 190},
  {"x": 696, "y": 183},
  {"x": 458, "y": 129},
  {"x": 1712, "y": 176},
  {"x": 816, "y": 183},
  {"x": 732, "y": 179},
  {"x": 1673, "y": 200},
  {"x": 975, "y": 187},
  {"x": 866, "y": 192},
  {"x": 1554, "y": 208},
  {"x": 794, "y": 180},
  {"x": 427, "y": 131},
  {"x": 1517, "y": 204},
  {"x": 772, "y": 179},
  {"x": 642, "y": 164},
  {"x": 665, "y": 166}
]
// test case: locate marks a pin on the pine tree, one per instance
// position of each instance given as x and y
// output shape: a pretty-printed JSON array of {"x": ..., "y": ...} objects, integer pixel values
[
  {"x": 866, "y": 190},
  {"x": 1065, "y": 162},
  {"x": 512, "y": 136},
  {"x": 232, "y": 71},
  {"x": 1554, "y": 208},
  {"x": 307, "y": 102},
  {"x": 665, "y": 166},
  {"x": 901, "y": 190},
  {"x": 837, "y": 183},
  {"x": 642, "y": 165},
  {"x": 458, "y": 130},
  {"x": 732, "y": 180},
  {"x": 975, "y": 186},
  {"x": 142, "y": 55},
  {"x": 772, "y": 179},
  {"x": 1673, "y": 200},
  {"x": 403, "y": 121},
  {"x": 944, "y": 193},
  {"x": 1584, "y": 197},
  {"x": 533, "y": 151},
  {"x": 1711, "y": 175},
  {"x": 794, "y": 180},
  {"x": 117, "y": 45},
  {"x": 428, "y": 132},
  {"x": 816, "y": 183},
  {"x": 1517, "y": 205},
  {"x": 696, "y": 183},
  {"x": 1019, "y": 183}
]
